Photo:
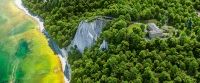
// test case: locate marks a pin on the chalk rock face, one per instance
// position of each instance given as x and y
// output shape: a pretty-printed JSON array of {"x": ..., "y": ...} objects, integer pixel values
[
  {"x": 87, "y": 33},
  {"x": 154, "y": 31},
  {"x": 104, "y": 45}
]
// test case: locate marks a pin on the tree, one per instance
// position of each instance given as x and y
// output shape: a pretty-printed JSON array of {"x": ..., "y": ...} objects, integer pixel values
[
  {"x": 189, "y": 24},
  {"x": 193, "y": 67},
  {"x": 88, "y": 80},
  {"x": 164, "y": 76},
  {"x": 154, "y": 80},
  {"x": 134, "y": 72},
  {"x": 142, "y": 26},
  {"x": 174, "y": 72},
  {"x": 131, "y": 57},
  {"x": 178, "y": 79},
  {"x": 112, "y": 80},
  {"x": 128, "y": 17},
  {"x": 147, "y": 75},
  {"x": 120, "y": 24}
]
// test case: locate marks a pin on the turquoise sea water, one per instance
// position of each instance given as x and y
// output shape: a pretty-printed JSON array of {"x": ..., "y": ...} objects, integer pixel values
[{"x": 22, "y": 59}]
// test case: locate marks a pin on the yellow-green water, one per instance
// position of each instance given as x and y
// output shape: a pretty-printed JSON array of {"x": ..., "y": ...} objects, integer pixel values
[{"x": 25, "y": 56}]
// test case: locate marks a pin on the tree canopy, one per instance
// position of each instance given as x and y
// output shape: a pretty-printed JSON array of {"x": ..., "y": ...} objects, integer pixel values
[{"x": 131, "y": 57}]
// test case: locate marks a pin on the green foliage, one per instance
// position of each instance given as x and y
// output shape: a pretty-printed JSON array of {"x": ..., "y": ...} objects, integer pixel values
[
  {"x": 130, "y": 57},
  {"x": 62, "y": 16}
]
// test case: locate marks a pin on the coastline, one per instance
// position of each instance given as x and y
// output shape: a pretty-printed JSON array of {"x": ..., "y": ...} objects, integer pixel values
[{"x": 54, "y": 47}]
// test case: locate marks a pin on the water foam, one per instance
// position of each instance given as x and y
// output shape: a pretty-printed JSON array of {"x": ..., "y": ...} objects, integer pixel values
[{"x": 62, "y": 58}]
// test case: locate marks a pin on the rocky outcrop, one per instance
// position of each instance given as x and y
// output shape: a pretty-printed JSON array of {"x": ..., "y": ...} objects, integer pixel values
[
  {"x": 87, "y": 33},
  {"x": 198, "y": 12},
  {"x": 86, "y": 36},
  {"x": 104, "y": 45},
  {"x": 154, "y": 31}
]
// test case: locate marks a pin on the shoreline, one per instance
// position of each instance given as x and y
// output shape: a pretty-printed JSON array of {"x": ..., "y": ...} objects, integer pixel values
[{"x": 52, "y": 44}]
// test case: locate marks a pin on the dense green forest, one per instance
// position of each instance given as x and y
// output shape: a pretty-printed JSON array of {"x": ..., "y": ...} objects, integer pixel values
[{"x": 131, "y": 58}]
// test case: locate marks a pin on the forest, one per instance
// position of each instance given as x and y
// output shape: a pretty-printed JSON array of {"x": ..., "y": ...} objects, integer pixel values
[{"x": 131, "y": 58}]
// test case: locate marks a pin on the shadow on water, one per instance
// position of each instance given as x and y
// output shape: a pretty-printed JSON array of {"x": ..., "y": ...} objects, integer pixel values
[
  {"x": 25, "y": 56},
  {"x": 11, "y": 72},
  {"x": 22, "y": 49}
]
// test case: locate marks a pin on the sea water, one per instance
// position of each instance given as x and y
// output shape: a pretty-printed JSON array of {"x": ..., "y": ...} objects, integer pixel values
[{"x": 25, "y": 56}]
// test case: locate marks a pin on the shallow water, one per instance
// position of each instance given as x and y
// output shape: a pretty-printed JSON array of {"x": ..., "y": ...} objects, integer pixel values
[{"x": 25, "y": 56}]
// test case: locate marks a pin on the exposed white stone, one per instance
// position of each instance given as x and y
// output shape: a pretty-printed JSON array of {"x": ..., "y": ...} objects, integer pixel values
[
  {"x": 87, "y": 33},
  {"x": 198, "y": 12},
  {"x": 104, "y": 45},
  {"x": 154, "y": 31},
  {"x": 44, "y": 1}
]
